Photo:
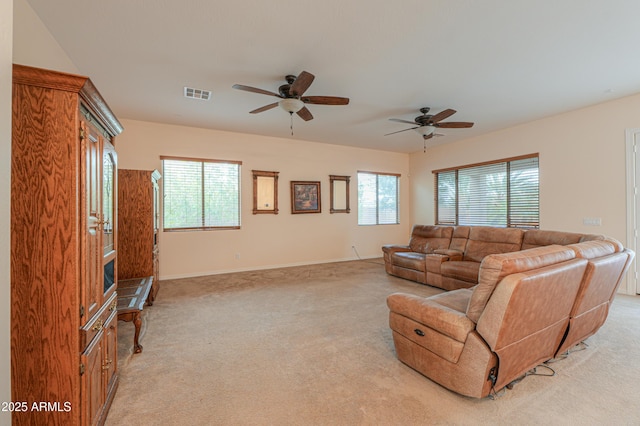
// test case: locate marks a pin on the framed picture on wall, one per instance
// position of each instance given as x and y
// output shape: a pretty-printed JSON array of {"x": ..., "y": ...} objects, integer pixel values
[{"x": 305, "y": 197}]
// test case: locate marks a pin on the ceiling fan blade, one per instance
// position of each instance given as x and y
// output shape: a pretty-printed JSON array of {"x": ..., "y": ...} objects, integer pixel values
[
  {"x": 442, "y": 115},
  {"x": 255, "y": 90},
  {"x": 393, "y": 133},
  {"x": 454, "y": 125},
  {"x": 325, "y": 100},
  {"x": 305, "y": 114},
  {"x": 397, "y": 120},
  {"x": 301, "y": 84},
  {"x": 264, "y": 108}
]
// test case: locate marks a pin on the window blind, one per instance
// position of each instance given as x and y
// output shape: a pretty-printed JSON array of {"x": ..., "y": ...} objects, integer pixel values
[
  {"x": 446, "y": 204},
  {"x": 377, "y": 198},
  {"x": 200, "y": 194},
  {"x": 504, "y": 193}
]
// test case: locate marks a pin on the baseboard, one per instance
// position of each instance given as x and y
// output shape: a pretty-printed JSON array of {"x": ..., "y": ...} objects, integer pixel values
[{"x": 260, "y": 268}]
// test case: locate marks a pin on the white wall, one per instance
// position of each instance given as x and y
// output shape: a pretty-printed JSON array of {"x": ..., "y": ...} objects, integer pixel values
[
  {"x": 6, "y": 45},
  {"x": 266, "y": 241},
  {"x": 582, "y": 166}
]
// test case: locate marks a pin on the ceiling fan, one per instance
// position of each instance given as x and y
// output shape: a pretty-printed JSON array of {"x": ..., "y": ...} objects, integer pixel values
[
  {"x": 291, "y": 96},
  {"x": 427, "y": 124}
]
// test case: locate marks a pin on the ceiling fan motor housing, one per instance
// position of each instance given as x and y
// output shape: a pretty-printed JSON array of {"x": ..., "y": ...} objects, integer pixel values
[
  {"x": 423, "y": 120},
  {"x": 284, "y": 90}
]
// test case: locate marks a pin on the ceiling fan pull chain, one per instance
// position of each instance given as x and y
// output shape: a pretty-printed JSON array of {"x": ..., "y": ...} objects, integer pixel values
[{"x": 291, "y": 126}]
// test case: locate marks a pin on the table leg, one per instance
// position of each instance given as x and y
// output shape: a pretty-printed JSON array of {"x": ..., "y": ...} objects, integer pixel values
[{"x": 137, "y": 322}]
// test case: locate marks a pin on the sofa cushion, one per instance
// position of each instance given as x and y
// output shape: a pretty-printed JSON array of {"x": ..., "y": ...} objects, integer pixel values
[
  {"x": 538, "y": 238},
  {"x": 409, "y": 259},
  {"x": 462, "y": 270},
  {"x": 426, "y": 239},
  {"x": 486, "y": 240},
  {"x": 496, "y": 266},
  {"x": 593, "y": 249}
]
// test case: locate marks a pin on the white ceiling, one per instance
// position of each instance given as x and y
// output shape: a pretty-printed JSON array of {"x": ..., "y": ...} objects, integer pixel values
[{"x": 497, "y": 62}]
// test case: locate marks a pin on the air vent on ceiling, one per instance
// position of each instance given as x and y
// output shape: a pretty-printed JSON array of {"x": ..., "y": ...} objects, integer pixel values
[{"x": 190, "y": 92}]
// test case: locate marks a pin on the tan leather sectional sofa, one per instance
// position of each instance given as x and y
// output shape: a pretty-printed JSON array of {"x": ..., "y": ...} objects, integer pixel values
[
  {"x": 527, "y": 307},
  {"x": 449, "y": 257}
]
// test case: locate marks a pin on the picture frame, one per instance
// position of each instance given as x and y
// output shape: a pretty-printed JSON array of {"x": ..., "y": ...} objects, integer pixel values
[{"x": 305, "y": 197}]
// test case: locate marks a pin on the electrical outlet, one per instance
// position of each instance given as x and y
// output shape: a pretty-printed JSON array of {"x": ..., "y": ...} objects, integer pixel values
[{"x": 237, "y": 256}]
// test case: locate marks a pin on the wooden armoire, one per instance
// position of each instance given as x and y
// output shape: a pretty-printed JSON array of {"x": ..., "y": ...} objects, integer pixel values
[
  {"x": 138, "y": 223},
  {"x": 63, "y": 249}
]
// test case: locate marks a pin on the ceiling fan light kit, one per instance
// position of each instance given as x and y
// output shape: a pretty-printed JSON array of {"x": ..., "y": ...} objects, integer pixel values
[
  {"x": 291, "y": 105},
  {"x": 425, "y": 130}
]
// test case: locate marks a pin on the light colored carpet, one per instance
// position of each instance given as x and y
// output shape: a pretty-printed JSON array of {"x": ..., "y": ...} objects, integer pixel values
[{"x": 311, "y": 345}]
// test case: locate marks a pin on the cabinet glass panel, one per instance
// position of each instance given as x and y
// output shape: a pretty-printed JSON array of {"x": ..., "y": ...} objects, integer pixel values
[
  {"x": 108, "y": 200},
  {"x": 109, "y": 276}
]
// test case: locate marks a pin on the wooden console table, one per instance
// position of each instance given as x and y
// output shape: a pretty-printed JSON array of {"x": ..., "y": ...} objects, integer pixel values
[{"x": 132, "y": 296}]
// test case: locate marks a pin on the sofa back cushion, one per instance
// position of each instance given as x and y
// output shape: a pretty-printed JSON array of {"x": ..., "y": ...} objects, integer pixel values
[
  {"x": 427, "y": 238},
  {"x": 603, "y": 275},
  {"x": 605, "y": 270},
  {"x": 459, "y": 238},
  {"x": 486, "y": 240},
  {"x": 538, "y": 238},
  {"x": 496, "y": 266}
]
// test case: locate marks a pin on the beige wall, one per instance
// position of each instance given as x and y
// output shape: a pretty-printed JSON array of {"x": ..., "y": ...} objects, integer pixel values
[
  {"x": 266, "y": 241},
  {"x": 6, "y": 45},
  {"x": 582, "y": 165},
  {"x": 34, "y": 45}
]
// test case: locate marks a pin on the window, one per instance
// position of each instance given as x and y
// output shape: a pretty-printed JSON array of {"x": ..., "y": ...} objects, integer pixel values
[
  {"x": 377, "y": 198},
  {"x": 200, "y": 194},
  {"x": 501, "y": 193}
]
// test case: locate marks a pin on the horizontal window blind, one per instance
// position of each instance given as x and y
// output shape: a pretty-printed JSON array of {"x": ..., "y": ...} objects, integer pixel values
[
  {"x": 377, "y": 198},
  {"x": 447, "y": 201},
  {"x": 482, "y": 195},
  {"x": 367, "y": 199},
  {"x": 524, "y": 199},
  {"x": 504, "y": 193},
  {"x": 200, "y": 194}
]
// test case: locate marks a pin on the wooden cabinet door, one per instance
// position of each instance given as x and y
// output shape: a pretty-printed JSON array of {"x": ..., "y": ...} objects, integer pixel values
[
  {"x": 91, "y": 288},
  {"x": 110, "y": 363},
  {"x": 93, "y": 391}
]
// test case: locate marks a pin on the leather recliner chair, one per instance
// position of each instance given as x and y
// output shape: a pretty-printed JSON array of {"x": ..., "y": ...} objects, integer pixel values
[{"x": 474, "y": 340}]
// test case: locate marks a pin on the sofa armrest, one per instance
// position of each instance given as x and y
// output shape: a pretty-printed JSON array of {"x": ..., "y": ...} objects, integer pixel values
[
  {"x": 434, "y": 261},
  {"x": 445, "y": 320},
  {"x": 395, "y": 248},
  {"x": 454, "y": 255}
]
